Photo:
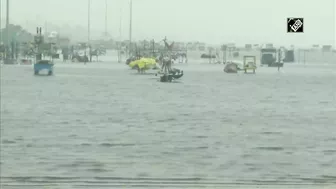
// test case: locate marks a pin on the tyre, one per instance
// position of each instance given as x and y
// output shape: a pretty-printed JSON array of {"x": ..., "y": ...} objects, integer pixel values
[{"x": 164, "y": 78}]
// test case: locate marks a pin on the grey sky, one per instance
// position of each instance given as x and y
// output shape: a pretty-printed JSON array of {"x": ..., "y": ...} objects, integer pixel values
[{"x": 213, "y": 21}]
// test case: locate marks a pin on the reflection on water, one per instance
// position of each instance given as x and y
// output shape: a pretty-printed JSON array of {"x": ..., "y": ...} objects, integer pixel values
[{"x": 101, "y": 125}]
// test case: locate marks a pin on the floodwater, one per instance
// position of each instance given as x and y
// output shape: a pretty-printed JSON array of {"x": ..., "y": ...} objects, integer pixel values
[{"x": 101, "y": 125}]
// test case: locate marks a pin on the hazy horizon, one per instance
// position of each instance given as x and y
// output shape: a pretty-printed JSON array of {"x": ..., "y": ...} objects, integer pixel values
[{"x": 212, "y": 21}]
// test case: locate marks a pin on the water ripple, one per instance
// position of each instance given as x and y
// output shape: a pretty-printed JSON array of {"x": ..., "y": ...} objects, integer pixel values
[{"x": 104, "y": 127}]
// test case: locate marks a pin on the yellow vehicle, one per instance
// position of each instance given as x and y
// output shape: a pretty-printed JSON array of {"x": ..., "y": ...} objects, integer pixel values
[
  {"x": 143, "y": 64},
  {"x": 249, "y": 63}
]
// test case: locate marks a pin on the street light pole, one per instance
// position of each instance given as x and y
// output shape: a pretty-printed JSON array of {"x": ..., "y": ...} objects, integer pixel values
[
  {"x": 334, "y": 16},
  {"x": 7, "y": 21},
  {"x": 7, "y": 60},
  {"x": 89, "y": 12},
  {"x": 0, "y": 21},
  {"x": 89, "y": 27}
]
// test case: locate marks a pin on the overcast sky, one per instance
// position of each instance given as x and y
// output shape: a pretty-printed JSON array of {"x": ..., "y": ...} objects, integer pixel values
[{"x": 213, "y": 21}]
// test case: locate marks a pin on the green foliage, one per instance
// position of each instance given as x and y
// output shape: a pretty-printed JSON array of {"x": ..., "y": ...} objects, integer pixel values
[{"x": 16, "y": 33}]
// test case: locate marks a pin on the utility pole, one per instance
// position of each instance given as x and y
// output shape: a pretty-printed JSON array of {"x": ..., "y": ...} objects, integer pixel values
[
  {"x": 7, "y": 60},
  {"x": 46, "y": 29},
  {"x": 7, "y": 21},
  {"x": 89, "y": 32},
  {"x": 89, "y": 7},
  {"x": 0, "y": 21}
]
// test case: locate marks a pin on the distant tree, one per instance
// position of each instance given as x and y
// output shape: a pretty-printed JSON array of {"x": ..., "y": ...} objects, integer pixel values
[{"x": 16, "y": 33}]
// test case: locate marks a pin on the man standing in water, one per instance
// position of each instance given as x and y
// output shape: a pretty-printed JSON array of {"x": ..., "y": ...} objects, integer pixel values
[{"x": 280, "y": 58}]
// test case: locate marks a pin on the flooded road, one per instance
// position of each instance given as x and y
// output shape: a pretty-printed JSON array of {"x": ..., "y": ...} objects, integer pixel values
[{"x": 100, "y": 125}]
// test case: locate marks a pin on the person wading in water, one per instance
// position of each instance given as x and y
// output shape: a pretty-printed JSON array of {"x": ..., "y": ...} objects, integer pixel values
[{"x": 170, "y": 49}]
